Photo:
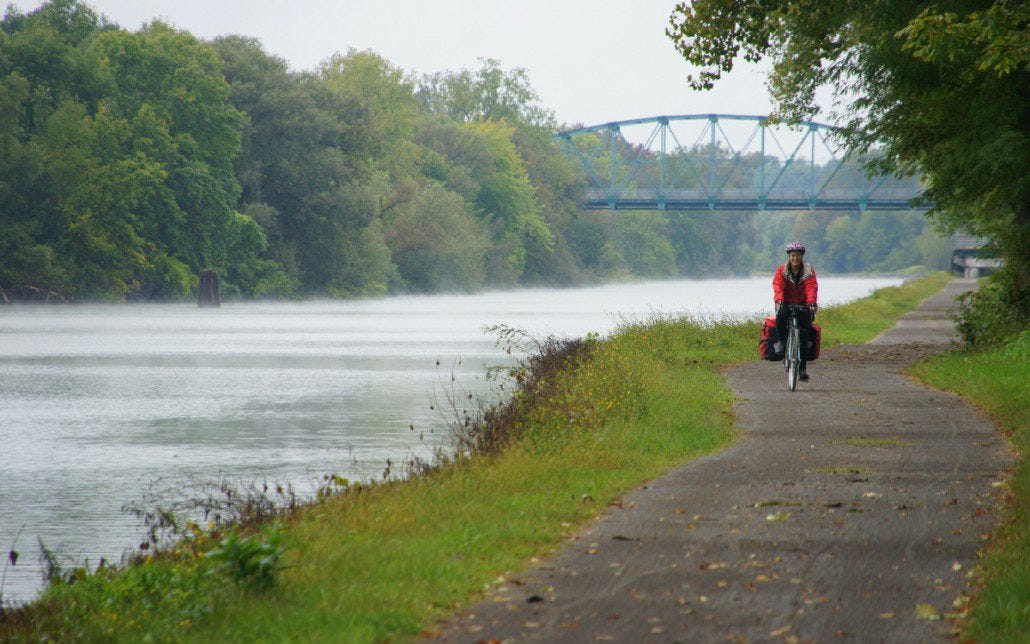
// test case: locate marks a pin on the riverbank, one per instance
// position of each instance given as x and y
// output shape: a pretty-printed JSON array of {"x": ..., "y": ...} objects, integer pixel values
[{"x": 390, "y": 559}]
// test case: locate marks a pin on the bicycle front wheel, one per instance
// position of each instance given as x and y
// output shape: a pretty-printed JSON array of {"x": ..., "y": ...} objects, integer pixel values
[{"x": 793, "y": 359}]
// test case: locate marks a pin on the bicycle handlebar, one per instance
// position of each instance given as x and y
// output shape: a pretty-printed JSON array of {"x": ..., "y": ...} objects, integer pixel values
[{"x": 793, "y": 308}]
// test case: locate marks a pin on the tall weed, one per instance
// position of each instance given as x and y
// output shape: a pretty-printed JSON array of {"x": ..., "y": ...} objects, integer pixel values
[{"x": 252, "y": 560}]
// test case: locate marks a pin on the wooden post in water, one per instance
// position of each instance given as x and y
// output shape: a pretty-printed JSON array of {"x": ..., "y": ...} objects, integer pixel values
[{"x": 207, "y": 294}]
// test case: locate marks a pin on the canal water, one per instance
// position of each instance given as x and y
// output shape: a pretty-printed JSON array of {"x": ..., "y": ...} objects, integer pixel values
[{"x": 102, "y": 404}]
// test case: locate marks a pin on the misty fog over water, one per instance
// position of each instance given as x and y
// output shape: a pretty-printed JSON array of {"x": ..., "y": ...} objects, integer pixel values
[{"x": 100, "y": 401}]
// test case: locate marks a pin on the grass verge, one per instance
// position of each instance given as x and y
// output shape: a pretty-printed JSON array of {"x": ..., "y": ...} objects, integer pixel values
[
  {"x": 996, "y": 380},
  {"x": 384, "y": 561}
]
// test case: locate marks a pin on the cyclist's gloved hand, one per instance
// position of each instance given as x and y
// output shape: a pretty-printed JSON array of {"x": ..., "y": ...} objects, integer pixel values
[
  {"x": 812, "y": 308},
  {"x": 778, "y": 306}
]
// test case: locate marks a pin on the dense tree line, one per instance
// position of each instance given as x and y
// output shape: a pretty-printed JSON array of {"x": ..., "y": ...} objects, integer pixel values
[{"x": 131, "y": 161}]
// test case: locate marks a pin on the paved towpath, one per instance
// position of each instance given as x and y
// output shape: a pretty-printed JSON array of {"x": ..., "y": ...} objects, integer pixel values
[{"x": 852, "y": 509}]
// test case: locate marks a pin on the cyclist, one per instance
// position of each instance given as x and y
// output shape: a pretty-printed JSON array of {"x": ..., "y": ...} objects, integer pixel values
[{"x": 795, "y": 283}]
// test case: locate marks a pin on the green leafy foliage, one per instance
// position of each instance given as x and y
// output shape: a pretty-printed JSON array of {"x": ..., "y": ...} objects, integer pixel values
[
  {"x": 489, "y": 93},
  {"x": 122, "y": 144},
  {"x": 252, "y": 560},
  {"x": 992, "y": 314},
  {"x": 436, "y": 243},
  {"x": 940, "y": 89}
]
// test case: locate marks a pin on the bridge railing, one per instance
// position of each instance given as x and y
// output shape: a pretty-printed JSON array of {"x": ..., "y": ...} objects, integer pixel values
[
  {"x": 720, "y": 172},
  {"x": 830, "y": 194},
  {"x": 785, "y": 199}
]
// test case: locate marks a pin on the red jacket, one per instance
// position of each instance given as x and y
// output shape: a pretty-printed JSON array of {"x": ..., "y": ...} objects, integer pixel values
[{"x": 804, "y": 291}]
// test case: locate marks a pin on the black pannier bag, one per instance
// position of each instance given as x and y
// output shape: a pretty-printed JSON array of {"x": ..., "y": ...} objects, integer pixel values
[{"x": 814, "y": 344}]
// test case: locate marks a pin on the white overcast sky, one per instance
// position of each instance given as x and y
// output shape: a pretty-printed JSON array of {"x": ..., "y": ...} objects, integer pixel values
[{"x": 591, "y": 61}]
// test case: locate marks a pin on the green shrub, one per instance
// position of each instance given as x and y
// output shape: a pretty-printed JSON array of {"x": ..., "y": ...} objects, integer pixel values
[
  {"x": 252, "y": 560},
  {"x": 993, "y": 313}
]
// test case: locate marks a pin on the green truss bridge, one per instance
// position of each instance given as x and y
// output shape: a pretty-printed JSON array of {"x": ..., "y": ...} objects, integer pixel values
[{"x": 727, "y": 162}]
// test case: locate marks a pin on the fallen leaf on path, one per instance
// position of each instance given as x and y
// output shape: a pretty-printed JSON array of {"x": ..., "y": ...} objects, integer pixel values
[
  {"x": 778, "y": 517},
  {"x": 889, "y": 615},
  {"x": 780, "y": 632},
  {"x": 927, "y": 612}
]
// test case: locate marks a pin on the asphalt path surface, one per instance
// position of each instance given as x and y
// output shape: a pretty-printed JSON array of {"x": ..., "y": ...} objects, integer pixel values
[{"x": 852, "y": 509}]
